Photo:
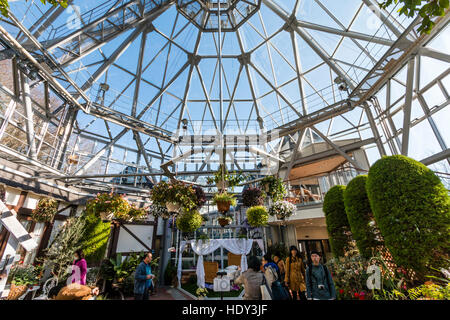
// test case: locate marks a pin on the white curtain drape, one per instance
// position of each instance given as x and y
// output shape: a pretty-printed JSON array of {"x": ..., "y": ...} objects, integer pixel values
[{"x": 205, "y": 247}]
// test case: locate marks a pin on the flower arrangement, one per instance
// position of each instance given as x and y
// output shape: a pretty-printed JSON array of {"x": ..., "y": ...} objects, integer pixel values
[
  {"x": 189, "y": 221},
  {"x": 45, "y": 210},
  {"x": 158, "y": 211},
  {"x": 229, "y": 180},
  {"x": 257, "y": 216},
  {"x": 223, "y": 201},
  {"x": 252, "y": 196},
  {"x": 273, "y": 187},
  {"x": 108, "y": 206},
  {"x": 282, "y": 209},
  {"x": 201, "y": 292}
]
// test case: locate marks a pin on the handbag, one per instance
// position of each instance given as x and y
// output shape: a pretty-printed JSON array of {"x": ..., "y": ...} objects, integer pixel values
[{"x": 266, "y": 293}]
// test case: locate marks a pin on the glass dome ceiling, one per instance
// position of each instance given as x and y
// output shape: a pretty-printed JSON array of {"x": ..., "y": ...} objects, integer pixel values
[{"x": 147, "y": 72}]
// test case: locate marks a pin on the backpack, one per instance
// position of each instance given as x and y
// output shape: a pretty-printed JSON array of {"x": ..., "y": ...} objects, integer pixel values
[{"x": 278, "y": 291}]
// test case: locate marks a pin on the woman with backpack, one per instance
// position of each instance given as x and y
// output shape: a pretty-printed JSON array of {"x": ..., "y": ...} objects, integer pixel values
[
  {"x": 295, "y": 274},
  {"x": 272, "y": 277}
]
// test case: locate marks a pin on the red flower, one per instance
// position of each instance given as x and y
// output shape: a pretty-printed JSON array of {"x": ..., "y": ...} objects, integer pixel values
[
  {"x": 356, "y": 295},
  {"x": 361, "y": 297},
  {"x": 341, "y": 291}
]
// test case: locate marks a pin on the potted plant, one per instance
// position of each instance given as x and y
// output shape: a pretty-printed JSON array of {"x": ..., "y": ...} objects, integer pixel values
[
  {"x": 22, "y": 276},
  {"x": 189, "y": 221},
  {"x": 252, "y": 196},
  {"x": 274, "y": 188},
  {"x": 200, "y": 197},
  {"x": 223, "y": 201},
  {"x": 108, "y": 206},
  {"x": 201, "y": 293},
  {"x": 282, "y": 209},
  {"x": 203, "y": 237},
  {"x": 225, "y": 220},
  {"x": 176, "y": 196},
  {"x": 45, "y": 210},
  {"x": 223, "y": 179},
  {"x": 136, "y": 213},
  {"x": 257, "y": 216}
]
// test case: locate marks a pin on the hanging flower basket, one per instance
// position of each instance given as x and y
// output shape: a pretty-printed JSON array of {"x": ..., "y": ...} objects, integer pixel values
[
  {"x": 223, "y": 206},
  {"x": 282, "y": 209},
  {"x": 280, "y": 216},
  {"x": 224, "y": 201},
  {"x": 221, "y": 185},
  {"x": 173, "y": 207},
  {"x": 45, "y": 210}
]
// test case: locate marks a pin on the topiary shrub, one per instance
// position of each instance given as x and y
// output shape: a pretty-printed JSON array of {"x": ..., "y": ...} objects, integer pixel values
[
  {"x": 257, "y": 216},
  {"x": 337, "y": 223},
  {"x": 189, "y": 221},
  {"x": 95, "y": 238},
  {"x": 412, "y": 210},
  {"x": 360, "y": 217}
]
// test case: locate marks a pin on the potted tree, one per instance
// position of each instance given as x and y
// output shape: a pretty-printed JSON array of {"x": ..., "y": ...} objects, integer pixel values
[{"x": 257, "y": 216}]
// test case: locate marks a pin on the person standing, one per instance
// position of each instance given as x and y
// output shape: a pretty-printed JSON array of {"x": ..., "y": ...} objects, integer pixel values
[
  {"x": 319, "y": 283},
  {"x": 281, "y": 266},
  {"x": 79, "y": 268},
  {"x": 252, "y": 279},
  {"x": 295, "y": 274},
  {"x": 143, "y": 278}
]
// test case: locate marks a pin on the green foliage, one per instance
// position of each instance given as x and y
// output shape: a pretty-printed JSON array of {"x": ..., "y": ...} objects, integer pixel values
[
  {"x": 95, "y": 238},
  {"x": 360, "y": 216},
  {"x": 118, "y": 269},
  {"x": 336, "y": 219},
  {"x": 4, "y": 6},
  {"x": 189, "y": 221},
  {"x": 45, "y": 210},
  {"x": 59, "y": 256},
  {"x": 170, "y": 273},
  {"x": 136, "y": 213},
  {"x": 412, "y": 210},
  {"x": 257, "y": 216},
  {"x": 279, "y": 247},
  {"x": 274, "y": 187},
  {"x": 224, "y": 197},
  {"x": 428, "y": 11}
]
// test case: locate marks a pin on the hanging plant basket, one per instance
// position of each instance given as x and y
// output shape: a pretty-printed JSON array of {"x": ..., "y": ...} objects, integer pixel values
[
  {"x": 16, "y": 291},
  {"x": 280, "y": 216},
  {"x": 173, "y": 207},
  {"x": 224, "y": 222},
  {"x": 221, "y": 185}
]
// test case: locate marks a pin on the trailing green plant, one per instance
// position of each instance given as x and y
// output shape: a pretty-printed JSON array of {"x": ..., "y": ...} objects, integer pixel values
[
  {"x": 60, "y": 254},
  {"x": 45, "y": 210},
  {"x": 224, "y": 197},
  {"x": 360, "y": 217},
  {"x": 108, "y": 206},
  {"x": 257, "y": 216},
  {"x": 232, "y": 179},
  {"x": 189, "y": 221},
  {"x": 412, "y": 209},
  {"x": 4, "y": 5},
  {"x": 175, "y": 192},
  {"x": 274, "y": 188},
  {"x": 136, "y": 213},
  {"x": 337, "y": 223},
  {"x": 252, "y": 196},
  {"x": 95, "y": 238},
  {"x": 428, "y": 11}
]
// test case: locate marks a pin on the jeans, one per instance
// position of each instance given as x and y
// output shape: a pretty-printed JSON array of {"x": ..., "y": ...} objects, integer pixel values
[{"x": 143, "y": 296}]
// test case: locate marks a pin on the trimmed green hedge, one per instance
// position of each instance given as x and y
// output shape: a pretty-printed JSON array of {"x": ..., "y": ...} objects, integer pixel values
[
  {"x": 336, "y": 218},
  {"x": 412, "y": 209},
  {"x": 359, "y": 215},
  {"x": 95, "y": 238}
]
